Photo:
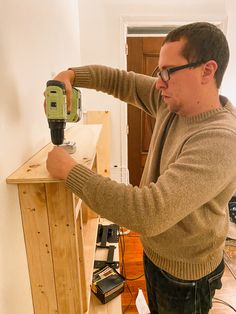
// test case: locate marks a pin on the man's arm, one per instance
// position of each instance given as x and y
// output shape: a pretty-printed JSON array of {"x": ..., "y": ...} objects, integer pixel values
[
  {"x": 130, "y": 87},
  {"x": 201, "y": 172}
]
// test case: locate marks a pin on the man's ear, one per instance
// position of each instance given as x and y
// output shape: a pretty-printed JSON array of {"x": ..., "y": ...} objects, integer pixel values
[{"x": 208, "y": 71}]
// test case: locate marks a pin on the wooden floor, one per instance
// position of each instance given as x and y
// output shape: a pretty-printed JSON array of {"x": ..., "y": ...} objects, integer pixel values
[{"x": 134, "y": 269}]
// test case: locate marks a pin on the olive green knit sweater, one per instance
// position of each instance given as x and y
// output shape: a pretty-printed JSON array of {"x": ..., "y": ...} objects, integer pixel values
[{"x": 180, "y": 208}]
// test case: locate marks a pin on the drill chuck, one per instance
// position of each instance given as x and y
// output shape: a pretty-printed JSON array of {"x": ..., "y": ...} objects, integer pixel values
[{"x": 57, "y": 131}]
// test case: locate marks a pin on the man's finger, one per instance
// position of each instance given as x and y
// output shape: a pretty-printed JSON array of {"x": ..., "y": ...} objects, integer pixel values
[{"x": 69, "y": 100}]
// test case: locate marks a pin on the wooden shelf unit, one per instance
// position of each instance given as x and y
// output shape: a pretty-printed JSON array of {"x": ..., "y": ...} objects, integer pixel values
[{"x": 60, "y": 231}]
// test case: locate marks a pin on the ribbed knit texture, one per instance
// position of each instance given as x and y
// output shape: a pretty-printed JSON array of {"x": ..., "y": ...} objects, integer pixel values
[{"x": 180, "y": 208}]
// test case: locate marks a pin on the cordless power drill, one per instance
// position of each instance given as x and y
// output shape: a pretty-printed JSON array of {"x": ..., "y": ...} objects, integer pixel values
[{"x": 56, "y": 109}]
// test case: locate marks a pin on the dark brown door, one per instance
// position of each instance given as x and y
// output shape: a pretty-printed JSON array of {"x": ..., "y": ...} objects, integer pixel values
[{"x": 143, "y": 55}]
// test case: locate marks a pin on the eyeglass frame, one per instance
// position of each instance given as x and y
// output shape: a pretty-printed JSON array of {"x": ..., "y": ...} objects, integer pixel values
[{"x": 158, "y": 73}]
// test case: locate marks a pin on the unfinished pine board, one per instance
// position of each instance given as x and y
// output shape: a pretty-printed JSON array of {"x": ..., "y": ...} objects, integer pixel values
[
  {"x": 34, "y": 170},
  {"x": 38, "y": 247},
  {"x": 90, "y": 237},
  {"x": 83, "y": 285},
  {"x": 87, "y": 213},
  {"x": 102, "y": 163},
  {"x": 64, "y": 248},
  {"x": 50, "y": 228},
  {"x": 60, "y": 245},
  {"x": 87, "y": 238},
  {"x": 103, "y": 147}
]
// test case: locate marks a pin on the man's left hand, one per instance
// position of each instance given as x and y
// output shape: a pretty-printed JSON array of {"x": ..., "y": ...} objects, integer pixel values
[{"x": 59, "y": 163}]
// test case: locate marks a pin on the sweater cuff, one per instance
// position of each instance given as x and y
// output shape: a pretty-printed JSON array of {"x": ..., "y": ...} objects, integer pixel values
[
  {"x": 82, "y": 76},
  {"x": 77, "y": 178}
]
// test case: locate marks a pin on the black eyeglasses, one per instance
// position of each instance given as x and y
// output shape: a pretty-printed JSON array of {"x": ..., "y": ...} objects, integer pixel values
[{"x": 165, "y": 73}]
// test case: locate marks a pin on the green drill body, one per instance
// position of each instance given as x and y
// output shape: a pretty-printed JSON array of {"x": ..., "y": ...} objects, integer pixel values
[{"x": 56, "y": 109}]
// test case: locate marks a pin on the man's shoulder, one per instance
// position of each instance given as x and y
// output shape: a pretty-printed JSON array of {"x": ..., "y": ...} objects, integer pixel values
[{"x": 228, "y": 106}]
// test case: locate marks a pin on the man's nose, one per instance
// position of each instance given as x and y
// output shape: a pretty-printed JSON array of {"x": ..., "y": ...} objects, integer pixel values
[{"x": 160, "y": 84}]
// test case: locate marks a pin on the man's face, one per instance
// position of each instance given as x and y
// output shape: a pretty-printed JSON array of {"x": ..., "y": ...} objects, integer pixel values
[{"x": 181, "y": 92}]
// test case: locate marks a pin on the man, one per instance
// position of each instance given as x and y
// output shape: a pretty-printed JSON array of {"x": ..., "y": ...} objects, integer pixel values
[{"x": 180, "y": 208}]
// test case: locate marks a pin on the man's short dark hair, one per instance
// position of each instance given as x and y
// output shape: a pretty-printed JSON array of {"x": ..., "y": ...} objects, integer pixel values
[{"x": 204, "y": 42}]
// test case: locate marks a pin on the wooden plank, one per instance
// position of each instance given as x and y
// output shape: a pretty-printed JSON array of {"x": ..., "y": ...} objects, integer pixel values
[
  {"x": 38, "y": 246},
  {"x": 34, "y": 170},
  {"x": 90, "y": 236},
  {"x": 87, "y": 213},
  {"x": 102, "y": 165},
  {"x": 60, "y": 261},
  {"x": 64, "y": 248},
  {"x": 104, "y": 143},
  {"x": 83, "y": 286}
]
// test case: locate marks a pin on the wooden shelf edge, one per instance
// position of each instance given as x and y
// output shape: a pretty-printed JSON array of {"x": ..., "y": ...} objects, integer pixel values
[{"x": 34, "y": 170}]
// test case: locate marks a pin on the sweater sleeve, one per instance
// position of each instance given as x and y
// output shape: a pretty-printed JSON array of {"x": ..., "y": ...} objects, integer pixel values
[
  {"x": 204, "y": 168},
  {"x": 136, "y": 89}
]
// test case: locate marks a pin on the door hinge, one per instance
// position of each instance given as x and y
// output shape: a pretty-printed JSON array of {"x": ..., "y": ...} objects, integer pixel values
[
  {"x": 126, "y": 49},
  {"x": 127, "y": 129}
]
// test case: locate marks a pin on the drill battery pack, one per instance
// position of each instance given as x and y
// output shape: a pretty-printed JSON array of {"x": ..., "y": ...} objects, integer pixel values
[{"x": 107, "y": 284}]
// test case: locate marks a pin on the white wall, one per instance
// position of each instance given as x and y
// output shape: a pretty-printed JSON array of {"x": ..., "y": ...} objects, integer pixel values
[
  {"x": 38, "y": 38},
  {"x": 100, "y": 24}
]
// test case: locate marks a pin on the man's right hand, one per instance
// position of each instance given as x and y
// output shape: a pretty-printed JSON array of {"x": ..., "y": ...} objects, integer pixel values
[{"x": 67, "y": 77}]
